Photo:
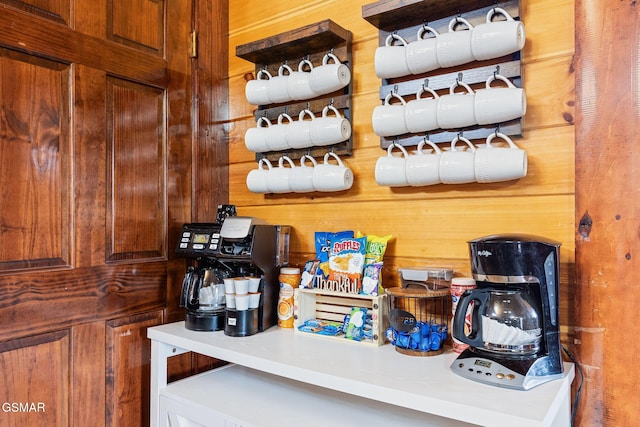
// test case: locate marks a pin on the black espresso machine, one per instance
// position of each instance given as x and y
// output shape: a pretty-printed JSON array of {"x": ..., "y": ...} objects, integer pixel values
[
  {"x": 235, "y": 247},
  {"x": 514, "y": 337}
]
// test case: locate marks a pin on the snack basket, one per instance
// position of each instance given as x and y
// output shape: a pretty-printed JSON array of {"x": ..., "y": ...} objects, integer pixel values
[{"x": 419, "y": 315}]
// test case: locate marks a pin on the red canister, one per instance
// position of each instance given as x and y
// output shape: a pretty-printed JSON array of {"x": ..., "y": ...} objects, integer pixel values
[{"x": 458, "y": 286}]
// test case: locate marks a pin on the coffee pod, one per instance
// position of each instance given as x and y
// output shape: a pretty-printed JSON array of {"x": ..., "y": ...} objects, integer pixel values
[
  {"x": 301, "y": 177},
  {"x": 256, "y": 91},
  {"x": 392, "y": 170},
  {"x": 421, "y": 114},
  {"x": 257, "y": 178},
  {"x": 242, "y": 302},
  {"x": 456, "y": 109},
  {"x": 330, "y": 76},
  {"x": 330, "y": 177},
  {"x": 329, "y": 130},
  {"x": 390, "y": 60},
  {"x": 278, "y": 178},
  {"x": 499, "y": 104},
  {"x": 494, "y": 39},
  {"x": 299, "y": 83},
  {"x": 454, "y": 47},
  {"x": 456, "y": 164},
  {"x": 424, "y": 168},
  {"x": 279, "y": 85},
  {"x": 421, "y": 54},
  {"x": 388, "y": 119},
  {"x": 255, "y": 138},
  {"x": 496, "y": 164}
]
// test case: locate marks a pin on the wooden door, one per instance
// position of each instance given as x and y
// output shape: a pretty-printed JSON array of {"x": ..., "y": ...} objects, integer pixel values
[{"x": 95, "y": 182}]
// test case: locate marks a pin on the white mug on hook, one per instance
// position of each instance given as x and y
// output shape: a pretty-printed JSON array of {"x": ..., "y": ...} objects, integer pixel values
[
  {"x": 457, "y": 165},
  {"x": 424, "y": 168},
  {"x": 330, "y": 177},
  {"x": 256, "y": 91},
  {"x": 392, "y": 170},
  {"x": 257, "y": 178},
  {"x": 390, "y": 60},
  {"x": 495, "y": 164}
]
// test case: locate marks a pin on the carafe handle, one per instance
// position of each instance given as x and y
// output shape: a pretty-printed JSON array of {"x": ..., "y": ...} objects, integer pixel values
[
  {"x": 474, "y": 338},
  {"x": 184, "y": 295}
]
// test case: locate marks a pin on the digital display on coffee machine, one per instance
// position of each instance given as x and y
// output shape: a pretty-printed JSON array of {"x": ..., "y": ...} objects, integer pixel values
[
  {"x": 200, "y": 238},
  {"x": 482, "y": 363}
]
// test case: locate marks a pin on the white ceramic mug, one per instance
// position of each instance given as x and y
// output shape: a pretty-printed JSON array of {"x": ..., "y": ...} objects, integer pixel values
[
  {"x": 257, "y": 178},
  {"x": 499, "y": 104},
  {"x": 424, "y": 168},
  {"x": 278, "y": 178},
  {"x": 389, "y": 119},
  {"x": 495, "y": 164},
  {"x": 279, "y": 85},
  {"x": 456, "y": 109},
  {"x": 329, "y": 130},
  {"x": 299, "y": 131},
  {"x": 255, "y": 138},
  {"x": 301, "y": 177},
  {"x": 497, "y": 38},
  {"x": 329, "y": 77},
  {"x": 454, "y": 47},
  {"x": 390, "y": 60},
  {"x": 421, "y": 114},
  {"x": 256, "y": 91},
  {"x": 299, "y": 83},
  {"x": 330, "y": 177},
  {"x": 421, "y": 54},
  {"x": 458, "y": 166},
  {"x": 276, "y": 134},
  {"x": 392, "y": 170}
]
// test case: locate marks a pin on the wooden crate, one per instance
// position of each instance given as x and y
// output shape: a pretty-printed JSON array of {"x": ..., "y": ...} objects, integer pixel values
[{"x": 332, "y": 306}]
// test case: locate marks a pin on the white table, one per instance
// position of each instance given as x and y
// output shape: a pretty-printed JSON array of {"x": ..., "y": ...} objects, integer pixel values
[{"x": 283, "y": 378}]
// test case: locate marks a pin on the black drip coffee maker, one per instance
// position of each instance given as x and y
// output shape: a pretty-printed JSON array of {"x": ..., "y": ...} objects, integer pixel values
[{"x": 515, "y": 333}]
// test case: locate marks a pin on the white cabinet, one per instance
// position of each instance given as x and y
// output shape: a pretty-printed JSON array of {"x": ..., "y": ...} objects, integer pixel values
[{"x": 279, "y": 378}]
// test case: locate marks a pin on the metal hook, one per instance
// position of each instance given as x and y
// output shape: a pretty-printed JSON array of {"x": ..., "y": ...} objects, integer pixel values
[
  {"x": 331, "y": 102},
  {"x": 331, "y": 51},
  {"x": 496, "y": 72},
  {"x": 308, "y": 106},
  {"x": 395, "y": 89},
  {"x": 425, "y": 84},
  {"x": 497, "y": 130}
]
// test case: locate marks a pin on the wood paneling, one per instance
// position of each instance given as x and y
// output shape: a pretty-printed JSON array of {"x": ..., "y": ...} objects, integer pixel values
[
  {"x": 136, "y": 205},
  {"x": 34, "y": 163},
  {"x": 137, "y": 23},
  {"x": 35, "y": 373},
  {"x": 55, "y": 10}
]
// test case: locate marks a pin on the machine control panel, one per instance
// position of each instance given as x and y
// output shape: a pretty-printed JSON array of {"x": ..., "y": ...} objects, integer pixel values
[{"x": 199, "y": 240}]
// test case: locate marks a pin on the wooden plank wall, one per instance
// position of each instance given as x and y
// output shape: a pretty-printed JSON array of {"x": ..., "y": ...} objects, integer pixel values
[{"x": 430, "y": 225}]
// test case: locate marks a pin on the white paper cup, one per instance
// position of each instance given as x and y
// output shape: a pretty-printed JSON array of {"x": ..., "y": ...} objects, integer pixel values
[
  {"x": 421, "y": 114},
  {"x": 392, "y": 170},
  {"x": 330, "y": 177},
  {"x": 256, "y": 91},
  {"x": 454, "y": 47},
  {"x": 421, "y": 54},
  {"x": 278, "y": 90},
  {"x": 254, "y": 299},
  {"x": 329, "y": 77},
  {"x": 299, "y": 83},
  {"x": 301, "y": 177},
  {"x": 424, "y": 168},
  {"x": 242, "y": 302},
  {"x": 457, "y": 166},
  {"x": 257, "y": 178},
  {"x": 278, "y": 178},
  {"x": 230, "y": 300},
  {"x": 499, "y": 104},
  {"x": 496, "y": 164},
  {"x": 499, "y": 38},
  {"x": 255, "y": 138},
  {"x": 456, "y": 109},
  {"x": 254, "y": 284},
  {"x": 328, "y": 130},
  {"x": 241, "y": 285},
  {"x": 229, "y": 287},
  {"x": 390, "y": 60},
  {"x": 389, "y": 119},
  {"x": 299, "y": 131}
]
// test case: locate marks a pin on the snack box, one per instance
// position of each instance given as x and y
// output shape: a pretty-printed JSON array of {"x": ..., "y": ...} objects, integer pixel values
[{"x": 333, "y": 306}]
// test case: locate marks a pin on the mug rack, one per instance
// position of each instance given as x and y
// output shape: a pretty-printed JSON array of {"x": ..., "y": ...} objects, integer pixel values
[
  {"x": 405, "y": 18},
  {"x": 311, "y": 42}
]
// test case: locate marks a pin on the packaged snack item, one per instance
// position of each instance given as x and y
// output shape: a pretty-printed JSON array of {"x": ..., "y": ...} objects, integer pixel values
[
  {"x": 355, "y": 324},
  {"x": 323, "y": 242},
  {"x": 346, "y": 264},
  {"x": 371, "y": 278},
  {"x": 309, "y": 270},
  {"x": 376, "y": 247}
]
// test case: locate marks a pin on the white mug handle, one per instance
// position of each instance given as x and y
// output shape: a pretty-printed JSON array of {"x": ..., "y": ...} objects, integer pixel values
[
  {"x": 457, "y": 20},
  {"x": 283, "y": 68},
  {"x": 459, "y": 138},
  {"x": 387, "y": 99},
  {"x": 424, "y": 142},
  {"x": 303, "y": 63},
  {"x": 400, "y": 147},
  {"x": 326, "y": 109},
  {"x": 426, "y": 29},
  {"x": 325, "y": 59},
  {"x": 424, "y": 89},
  {"x": 262, "y": 120},
  {"x": 306, "y": 112},
  {"x": 264, "y": 162},
  {"x": 394, "y": 37},
  {"x": 262, "y": 73},
  {"x": 335, "y": 156},
  {"x": 282, "y": 159},
  {"x": 457, "y": 83},
  {"x": 498, "y": 10},
  {"x": 307, "y": 157},
  {"x": 498, "y": 77},
  {"x": 283, "y": 116},
  {"x": 501, "y": 136}
]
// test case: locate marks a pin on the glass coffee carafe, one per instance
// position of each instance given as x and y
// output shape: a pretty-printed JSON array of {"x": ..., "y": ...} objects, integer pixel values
[{"x": 505, "y": 321}]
